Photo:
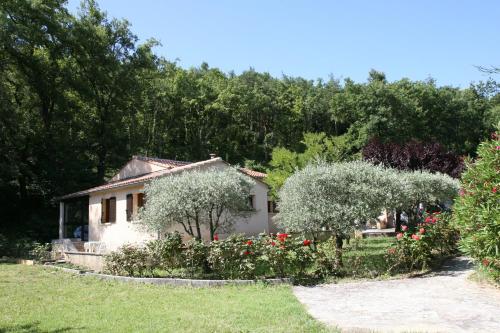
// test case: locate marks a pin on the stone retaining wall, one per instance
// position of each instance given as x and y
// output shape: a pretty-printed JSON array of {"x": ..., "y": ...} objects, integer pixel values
[
  {"x": 172, "y": 281},
  {"x": 92, "y": 261}
]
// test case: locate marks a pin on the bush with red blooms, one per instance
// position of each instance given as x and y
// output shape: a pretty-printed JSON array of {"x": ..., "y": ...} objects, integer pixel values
[
  {"x": 476, "y": 211},
  {"x": 417, "y": 247}
]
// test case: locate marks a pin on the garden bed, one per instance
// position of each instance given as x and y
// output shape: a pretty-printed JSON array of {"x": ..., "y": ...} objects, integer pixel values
[{"x": 170, "y": 281}]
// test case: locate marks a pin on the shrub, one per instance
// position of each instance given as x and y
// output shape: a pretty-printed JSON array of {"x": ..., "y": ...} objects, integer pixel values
[
  {"x": 166, "y": 253},
  {"x": 477, "y": 210},
  {"x": 234, "y": 257},
  {"x": 417, "y": 246},
  {"x": 128, "y": 260},
  {"x": 194, "y": 257},
  {"x": 41, "y": 251}
]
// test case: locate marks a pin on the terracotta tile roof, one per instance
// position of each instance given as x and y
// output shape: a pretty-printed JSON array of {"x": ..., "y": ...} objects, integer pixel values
[
  {"x": 142, "y": 178},
  {"x": 253, "y": 173},
  {"x": 161, "y": 161}
]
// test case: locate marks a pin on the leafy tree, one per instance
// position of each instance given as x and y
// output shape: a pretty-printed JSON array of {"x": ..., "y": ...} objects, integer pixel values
[
  {"x": 414, "y": 155},
  {"x": 338, "y": 197},
  {"x": 213, "y": 198},
  {"x": 477, "y": 210}
]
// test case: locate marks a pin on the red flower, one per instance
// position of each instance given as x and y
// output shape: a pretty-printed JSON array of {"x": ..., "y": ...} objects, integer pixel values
[
  {"x": 216, "y": 237},
  {"x": 282, "y": 237},
  {"x": 415, "y": 237},
  {"x": 246, "y": 253},
  {"x": 428, "y": 219},
  {"x": 306, "y": 242},
  {"x": 494, "y": 190},
  {"x": 485, "y": 262},
  {"x": 422, "y": 231},
  {"x": 249, "y": 242},
  {"x": 399, "y": 235},
  {"x": 404, "y": 227},
  {"x": 273, "y": 243}
]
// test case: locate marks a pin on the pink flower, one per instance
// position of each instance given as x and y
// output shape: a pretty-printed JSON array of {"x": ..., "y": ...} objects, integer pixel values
[
  {"x": 422, "y": 231},
  {"x": 273, "y": 243},
  {"x": 415, "y": 237},
  {"x": 498, "y": 147},
  {"x": 494, "y": 190},
  {"x": 404, "y": 227},
  {"x": 428, "y": 219},
  {"x": 399, "y": 235},
  {"x": 461, "y": 192}
]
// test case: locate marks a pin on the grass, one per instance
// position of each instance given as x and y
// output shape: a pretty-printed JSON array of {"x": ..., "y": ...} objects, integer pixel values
[
  {"x": 36, "y": 299},
  {"x": 365, "y": 258}
]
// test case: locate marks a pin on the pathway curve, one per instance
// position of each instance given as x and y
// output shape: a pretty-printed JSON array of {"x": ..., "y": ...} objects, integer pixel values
[{"x": 445, "y": 301}]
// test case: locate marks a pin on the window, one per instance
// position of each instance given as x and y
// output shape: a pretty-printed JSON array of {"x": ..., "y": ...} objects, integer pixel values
[
  {"x": 130, "y": 206},
  {"x": 108, "y": 210},
  {"x": 251, "y": 201},
  {"x": 271, "y": 207},
  {"x": 140, "y": 200}
]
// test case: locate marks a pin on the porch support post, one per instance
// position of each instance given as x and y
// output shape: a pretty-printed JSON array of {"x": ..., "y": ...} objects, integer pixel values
[{"x": 61, "y": 219}]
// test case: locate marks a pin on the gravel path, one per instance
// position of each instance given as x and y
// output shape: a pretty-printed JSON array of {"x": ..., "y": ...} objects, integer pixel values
[{"x": 443, "y": 302}]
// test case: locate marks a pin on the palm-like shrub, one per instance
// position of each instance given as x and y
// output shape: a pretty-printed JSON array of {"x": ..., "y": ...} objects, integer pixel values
[{"x": 477, "y": 209}]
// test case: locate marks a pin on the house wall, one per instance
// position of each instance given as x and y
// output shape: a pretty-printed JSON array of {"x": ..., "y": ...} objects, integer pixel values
[
  {"x": 135, "y": 168},
  {"x": 122, "y": 231}
]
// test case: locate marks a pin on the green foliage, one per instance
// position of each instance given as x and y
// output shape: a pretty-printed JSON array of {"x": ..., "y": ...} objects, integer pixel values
[
  {"x": 339, "y": 197},
  {"x": 41, "y": 251},
  {"x": 128, "y": 260},
  {"x": 416, "y": 248},
  {"x": 194, "y": 257},
  {"x": 211, "y": 198},
  {"x": 166, "y": 253},
  {"x": 477, "y": 210},
  {"x": 80, "y": 95}
]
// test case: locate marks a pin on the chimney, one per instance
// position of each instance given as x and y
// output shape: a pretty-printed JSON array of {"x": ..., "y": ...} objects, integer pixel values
[{"x": 212, "y": 156}]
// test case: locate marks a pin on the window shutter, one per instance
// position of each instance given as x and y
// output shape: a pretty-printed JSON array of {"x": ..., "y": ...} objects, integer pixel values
[
  {"x": 140, "y": 200},
  {"x": 103, "y": 210},
  {"x": 130, "y": 206},
  {"x": 112, "y": 210}
]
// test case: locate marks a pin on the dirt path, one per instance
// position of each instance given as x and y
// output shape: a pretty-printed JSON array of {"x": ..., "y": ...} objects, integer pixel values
[{"x": 443, "y": 302}]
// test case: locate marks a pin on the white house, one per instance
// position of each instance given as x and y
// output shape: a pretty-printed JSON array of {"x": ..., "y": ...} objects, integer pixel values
[{"x": 112, "y": 207}]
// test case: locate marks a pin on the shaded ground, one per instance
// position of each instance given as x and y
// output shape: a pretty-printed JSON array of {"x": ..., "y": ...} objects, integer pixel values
[{"x": 442, "y": 302}]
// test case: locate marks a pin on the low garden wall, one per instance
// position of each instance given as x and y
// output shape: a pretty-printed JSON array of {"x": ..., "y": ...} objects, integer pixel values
[
  {"x": 172, "y": 281},
  {"x": 92, "y": 261}
]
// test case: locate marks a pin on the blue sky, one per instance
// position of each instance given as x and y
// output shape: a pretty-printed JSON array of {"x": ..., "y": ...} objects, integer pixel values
[{"x": 442, "y": 39}]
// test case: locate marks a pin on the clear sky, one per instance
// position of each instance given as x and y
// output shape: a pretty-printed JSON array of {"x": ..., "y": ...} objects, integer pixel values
[{"x": 443, "y": 39}]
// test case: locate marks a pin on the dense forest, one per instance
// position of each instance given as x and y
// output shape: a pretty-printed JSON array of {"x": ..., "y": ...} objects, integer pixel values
[{"x": 79, "y": 95}]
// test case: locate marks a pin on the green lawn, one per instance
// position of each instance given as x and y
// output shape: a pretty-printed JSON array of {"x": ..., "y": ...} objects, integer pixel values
[{"x": 36, "y": 299}]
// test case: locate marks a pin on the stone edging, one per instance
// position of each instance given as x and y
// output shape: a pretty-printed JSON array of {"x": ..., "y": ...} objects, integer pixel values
[{"x": 172, "y": 281}]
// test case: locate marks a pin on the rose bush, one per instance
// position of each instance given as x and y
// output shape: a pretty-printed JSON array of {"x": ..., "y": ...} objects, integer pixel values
[{"x": 416, "y": 247}]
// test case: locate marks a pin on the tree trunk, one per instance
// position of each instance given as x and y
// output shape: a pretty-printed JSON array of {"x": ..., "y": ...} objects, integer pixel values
[
  {"x": 339, "y": 242},
  {"x": 398, "y": 221}
]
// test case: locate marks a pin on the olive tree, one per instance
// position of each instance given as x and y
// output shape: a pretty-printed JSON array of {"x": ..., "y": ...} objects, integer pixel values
[
  {"x": 415, "y": 188},
  {"x": 213, "y": 198},
  {"x": 337, "y": 197}
]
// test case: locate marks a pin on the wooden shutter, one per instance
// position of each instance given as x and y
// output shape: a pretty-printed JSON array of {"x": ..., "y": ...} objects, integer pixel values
[
  {"x": 112, "y": 210},
  {"x": 130, "y": 206},
  {"x": 140, "y": 200},
  {"x": 103, "y": 210}
]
